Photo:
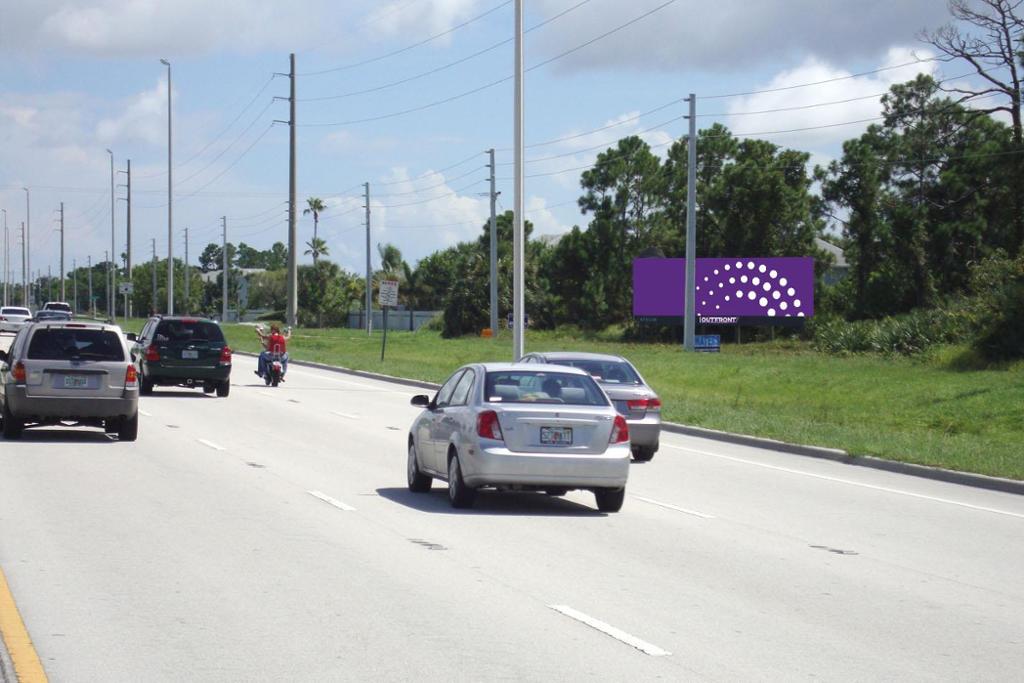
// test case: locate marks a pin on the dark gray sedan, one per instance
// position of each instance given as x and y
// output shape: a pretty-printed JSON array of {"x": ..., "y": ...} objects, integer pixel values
[{"x": 631, "y": 395}]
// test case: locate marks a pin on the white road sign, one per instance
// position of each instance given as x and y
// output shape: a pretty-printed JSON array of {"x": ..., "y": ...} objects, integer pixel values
[
  {"x": 125, "y": 288},
  {"x": 388, "y": 294}
]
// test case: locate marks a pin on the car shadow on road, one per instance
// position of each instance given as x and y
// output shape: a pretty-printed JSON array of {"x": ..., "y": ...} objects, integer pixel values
[
  {"x": 69, "y": 435},
  {"x": 490, "y": 502},
  {"x": 183, "y": 393}
]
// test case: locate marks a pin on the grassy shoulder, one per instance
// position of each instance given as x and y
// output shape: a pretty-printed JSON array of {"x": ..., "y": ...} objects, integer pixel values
[{"x": 930, "y": 411}]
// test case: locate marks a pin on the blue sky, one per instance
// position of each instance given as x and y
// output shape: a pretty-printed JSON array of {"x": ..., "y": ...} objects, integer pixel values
[{"x": 78, "y": 77}]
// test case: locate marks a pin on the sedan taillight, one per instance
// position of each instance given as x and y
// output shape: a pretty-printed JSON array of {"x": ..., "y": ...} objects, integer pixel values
[
  {"x": 488, "y": 427},
  {"x": 644, "y": 403},
  {"x": 225, "y": 356},
  {"x": 131, "y": 378},
  {"x": 18, "y": 373},
  {"x": 152, "y": 355},
  {"x": 620, "y": 431}
]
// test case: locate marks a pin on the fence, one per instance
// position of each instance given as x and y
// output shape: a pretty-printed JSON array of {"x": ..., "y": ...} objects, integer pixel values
[{"x": 397, "y": 319}]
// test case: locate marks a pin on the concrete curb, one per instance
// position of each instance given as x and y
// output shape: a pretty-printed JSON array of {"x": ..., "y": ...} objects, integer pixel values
[{"x": 837, "y": 455}]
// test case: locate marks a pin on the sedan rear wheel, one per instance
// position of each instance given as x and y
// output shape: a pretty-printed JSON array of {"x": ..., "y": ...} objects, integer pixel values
[
  {"x": 224, "y": 388},
  {"x": 418, "y": 482},
  {"x": 643, "y": 453},
  {"x": 610, "y": 500},
  {"x": 13, "y": 427},
  {"x": 459, "y": 495},
  {"x": 128, "y": 428}
]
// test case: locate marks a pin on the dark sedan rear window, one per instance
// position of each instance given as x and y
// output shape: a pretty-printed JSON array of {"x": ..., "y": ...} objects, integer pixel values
[
  {"x": 189, "y": 331},
  {"x": 63, "y": 343},
  {"x": 610, "y": 371},
  {"x": 531, "y": 386}
]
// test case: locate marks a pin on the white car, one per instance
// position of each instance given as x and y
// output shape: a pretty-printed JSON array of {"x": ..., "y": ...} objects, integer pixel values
[
  {"x": 520, "y": 427},
  {"x": 13, "y": 317}
]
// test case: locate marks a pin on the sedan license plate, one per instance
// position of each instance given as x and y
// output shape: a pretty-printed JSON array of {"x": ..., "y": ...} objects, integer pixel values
[
  {"x": 190, "y": 354},
  {"x": 556, "y": 436},
  {"x": 75, "y": 382}
]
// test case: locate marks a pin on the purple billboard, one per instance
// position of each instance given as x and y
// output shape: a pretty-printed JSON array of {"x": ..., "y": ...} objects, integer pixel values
[{"x": 728, "y": 289}]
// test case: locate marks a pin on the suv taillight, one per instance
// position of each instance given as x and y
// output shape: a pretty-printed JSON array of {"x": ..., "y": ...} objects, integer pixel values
[
  {"x": 131, "y": 378},
  {"x": 620, "y": 431},
  {"x": 18, "y": 373},
  {"x": 225, "y": 356},
  {"x": 488, "y": 427},
  {"x": 152, "y": 355}
]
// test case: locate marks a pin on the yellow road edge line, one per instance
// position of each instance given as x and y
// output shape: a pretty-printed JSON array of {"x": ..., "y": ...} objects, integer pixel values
[{"x": 27, "y": 667}]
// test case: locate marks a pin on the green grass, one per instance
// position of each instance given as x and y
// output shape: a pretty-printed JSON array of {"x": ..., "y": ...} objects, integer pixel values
[{"x": 936, "y": 410}]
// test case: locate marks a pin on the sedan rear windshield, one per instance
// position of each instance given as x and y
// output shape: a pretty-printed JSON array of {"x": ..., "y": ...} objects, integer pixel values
[
  {"x": 65, "y": 343},
  {"x": 15, "y": 311},
  {"x": 188, "y": 331},
  {"x": 531, "y": 386},
  {"x": 608, "y": 371}
]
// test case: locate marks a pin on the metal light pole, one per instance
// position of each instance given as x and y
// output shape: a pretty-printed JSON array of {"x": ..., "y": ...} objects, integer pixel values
[
  {"x": 24, "y": 267},
  {"x": 74, "y": 284},
  {"x": 224, "y": 271},
  {"x": 91, "y": 312},
  {"x": 187, "y": 307},
  {"x": 7, "y": 254},
  {"x": 170, "y": 215},
  {"x": 689, "y": 312},
  {"x": 108, "y": 260},
  {"x": 517, "y": 220},
  {"x": 63, "y": 295},
  {"x": 111, "y": 276},
  {"x": 494, "y": 252},
  {"x": 154, "y": 276},
  {"x": 27, "y": 237},
  {"x": 369, "y": 273}
]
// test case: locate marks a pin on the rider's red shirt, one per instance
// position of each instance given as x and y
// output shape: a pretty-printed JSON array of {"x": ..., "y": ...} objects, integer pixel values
[{"x": 276, "y": 343}]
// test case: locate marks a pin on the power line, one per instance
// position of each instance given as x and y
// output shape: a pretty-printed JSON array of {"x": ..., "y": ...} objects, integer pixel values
[
  {"x": 228, "y": 148},
  {"x": 444, "y": 67},
  {"x": 448, "y": 194},
  {"x": 408, "y": 47},
  {"x": 492, "y": 84}
]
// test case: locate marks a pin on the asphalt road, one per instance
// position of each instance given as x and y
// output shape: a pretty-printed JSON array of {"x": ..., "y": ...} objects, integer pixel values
[{"x": 269, "y": 536}]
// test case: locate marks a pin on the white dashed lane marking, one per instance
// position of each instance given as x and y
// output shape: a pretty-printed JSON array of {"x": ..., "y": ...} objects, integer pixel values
[
  {"x": 674, "y": 507},
  {"x": 607, "y": 629},
  {"x": 331, "y": 501},
  {"x": 210, "y": 444}
]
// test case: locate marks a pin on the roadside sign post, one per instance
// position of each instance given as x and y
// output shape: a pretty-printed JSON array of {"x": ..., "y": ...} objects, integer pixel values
[
  {"x": 387, "y": 296},
  {"x": 710, "y": 343},
  {"x": 126, "y": 288}
]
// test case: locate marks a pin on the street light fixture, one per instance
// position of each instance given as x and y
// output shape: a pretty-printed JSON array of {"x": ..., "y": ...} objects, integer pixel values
[
  {"x": 27, "y": 265},
  {"x": 170, "y": 214}
]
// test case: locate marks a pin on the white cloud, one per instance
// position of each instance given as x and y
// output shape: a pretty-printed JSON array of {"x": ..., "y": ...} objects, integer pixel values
[
  {"x": 142, "y": 118},
  {"x": 420, "y": 18},
  {"x": 731, "y": 34},
  {"x": 858, "y": 98}
]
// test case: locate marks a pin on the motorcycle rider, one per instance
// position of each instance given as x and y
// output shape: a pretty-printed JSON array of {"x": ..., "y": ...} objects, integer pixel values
[{"x": 275, "y": 342}]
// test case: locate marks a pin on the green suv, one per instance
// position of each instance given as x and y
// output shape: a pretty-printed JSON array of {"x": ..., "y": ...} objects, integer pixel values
[{"x": 182, "y": 351}]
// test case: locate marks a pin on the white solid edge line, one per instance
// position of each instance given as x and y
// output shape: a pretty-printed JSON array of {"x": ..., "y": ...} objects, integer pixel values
[
  {"x": 839, "y": 480},
  {"x": 618, "y": 634},
  {"x": 210, "y": 444},
  {"x": 348, "y": 415},
  {"x": 331, "y": 501},
  {"x": 673, "y": 507},
  {"x": 143, "y": 412}
]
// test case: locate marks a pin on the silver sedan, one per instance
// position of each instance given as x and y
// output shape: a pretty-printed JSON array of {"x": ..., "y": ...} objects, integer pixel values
[
  {"x": 514, "y": 427},
  {"x": 632, "y": 396}
]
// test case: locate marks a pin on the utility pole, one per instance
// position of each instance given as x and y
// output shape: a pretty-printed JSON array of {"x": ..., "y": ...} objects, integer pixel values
[
  {"x": 74, "y": 285},
  {"x": 224, "y": 272},
  {"x": 91, "y": 311},
  {"x": 111, "y": 276},
  {"x": 187, "y": 299},
  {"x": 63, "y": 295},
  {"x": 689, "y": 310},
  {"x": 128, "y": 222},
  {"x": 369, "y": 274},
  {"x": 494, "y": 252},
  {"x": 24, "y": 266},
  {"x": 154, "y": 276},
  {"x": 109, "y": 300},
  {"x": 7, "y": 254},
  {"x": 49, "y": 283},
  {"x": 518, "y": 248},
  {"x": 292, "y": 309},
  {"x": 170, "y": 203},
  {"x": 26, "y": 237}
]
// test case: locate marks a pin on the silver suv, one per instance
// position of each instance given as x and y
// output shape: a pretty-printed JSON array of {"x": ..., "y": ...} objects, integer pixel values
[{"x": 64, "y": 372}]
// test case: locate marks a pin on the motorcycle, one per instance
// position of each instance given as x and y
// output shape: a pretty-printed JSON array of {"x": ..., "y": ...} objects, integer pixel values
[{"x": 275, "y": 369}]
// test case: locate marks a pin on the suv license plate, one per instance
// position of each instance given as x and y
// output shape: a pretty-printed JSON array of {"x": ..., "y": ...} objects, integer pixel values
[
  {"x": 556, "y": 436},
  {"x": 75, "y": 382},
  {"x": 189, "y": 354}
]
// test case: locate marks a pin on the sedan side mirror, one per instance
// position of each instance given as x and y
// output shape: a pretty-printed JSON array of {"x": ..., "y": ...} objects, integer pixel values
[
  {"x": 420, "y": 401},
  {"x": 131, "y": 336},
  {"x": 3, "y": 356}
]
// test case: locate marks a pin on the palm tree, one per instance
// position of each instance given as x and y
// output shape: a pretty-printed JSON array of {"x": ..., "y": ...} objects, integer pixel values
[
  {"x": 316, "y": 205},
  {"x": 390, "y": 259},
  {"x": 318, "y": 248}
]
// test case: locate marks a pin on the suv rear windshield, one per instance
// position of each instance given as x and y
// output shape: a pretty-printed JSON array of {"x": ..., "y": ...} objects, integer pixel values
[
  {"x": 188, "y": 331},
  {"x": 66, "y": 343},
  {"x": 57, "y": 306},
  {"x": 608, "y": 371},
  {"x": 531, "y": 386},
  {"x": 15, "y": 311}
]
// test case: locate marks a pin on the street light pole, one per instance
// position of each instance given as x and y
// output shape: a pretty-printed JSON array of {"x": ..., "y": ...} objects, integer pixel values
[
  {"x": 27, "y": 236},
  {"x": 170, "y": 215},
  {"x": 518, "y": 248},
  {"x": 111, "y": 277},
  {"x": 7, "y": 253},
  {"x": 63, "y": 295}
]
